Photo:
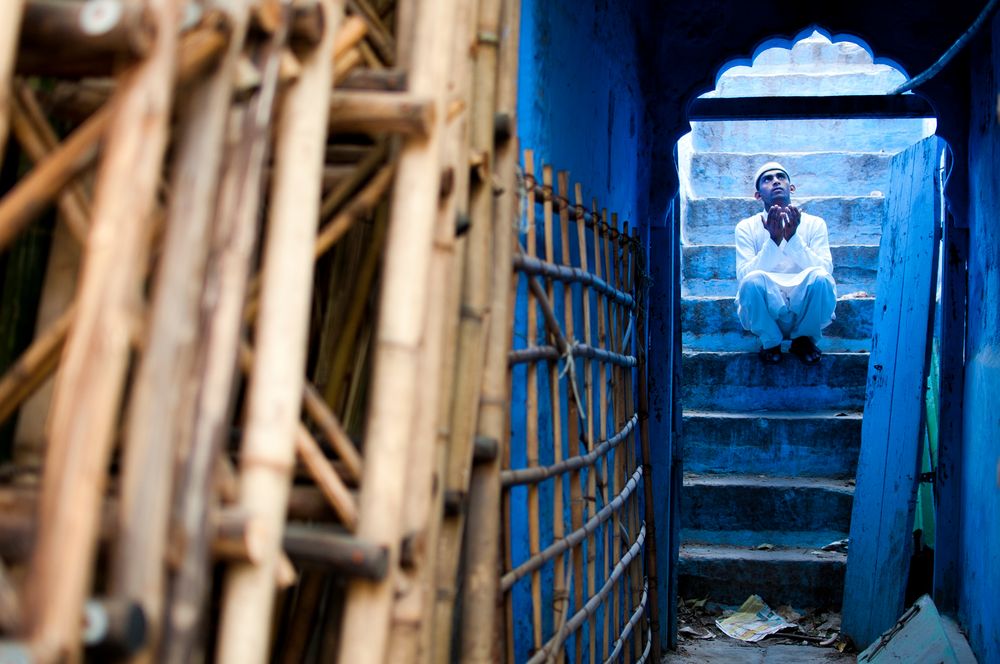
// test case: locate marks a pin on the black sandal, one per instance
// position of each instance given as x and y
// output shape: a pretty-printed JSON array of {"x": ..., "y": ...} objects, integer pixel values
[
  {"x": 805, "y": 349},
  {"x": 771, "y": 355}
]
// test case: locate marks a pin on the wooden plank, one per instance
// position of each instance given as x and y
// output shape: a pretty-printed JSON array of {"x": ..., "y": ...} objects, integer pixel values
[
  {"x": 715, "y": 109},
  {"x": 274, "y": 395},
  {"x": 88, "y": 390},
  {"x": 888, "y": 466}
]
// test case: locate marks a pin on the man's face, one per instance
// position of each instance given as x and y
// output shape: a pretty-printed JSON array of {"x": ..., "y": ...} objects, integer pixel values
[{"x": 774, "y": 189}]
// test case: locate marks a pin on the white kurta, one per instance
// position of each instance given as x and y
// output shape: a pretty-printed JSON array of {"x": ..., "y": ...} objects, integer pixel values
[{"x": 786, "y": 290}]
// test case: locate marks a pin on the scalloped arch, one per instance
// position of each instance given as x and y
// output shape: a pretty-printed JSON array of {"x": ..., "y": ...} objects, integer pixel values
[{"x": 788, "y": 42}]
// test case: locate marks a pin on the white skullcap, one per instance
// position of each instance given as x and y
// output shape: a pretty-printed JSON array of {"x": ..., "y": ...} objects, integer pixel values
[{"x": 769, "y": 166}]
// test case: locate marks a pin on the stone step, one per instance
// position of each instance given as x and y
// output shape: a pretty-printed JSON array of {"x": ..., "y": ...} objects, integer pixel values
[
  {"x": 762, "y": 504},
  {"x": 812, "y": 444},
  {"x": 729, "y": 574},
  {"x": 849, "y": 219},
  {"x": 710, "y": 323},
  {"x": 710, "y": 269},
  {"x": 812, "y": 173},
  {"x": 783, "y": 81},
  {"x": 740, "y": 382},
  {"x": 828, "y": 135}
]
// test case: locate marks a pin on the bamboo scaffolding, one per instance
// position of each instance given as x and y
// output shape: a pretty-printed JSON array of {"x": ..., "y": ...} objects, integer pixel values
[
  {"x": 10, "y": 26},
  {"x": 531, "y": 416},
  {"x": 94, "y": 361},
  {"x": 480, "y": 596},
  {"x": 474, "y": 307},
  {"x": 391, "y": 416},
  {"x": 414, "y": 616},
  {"x": 637, "y": 615},
  {"x": 21, "y": 205},
  {"x": 154, "y": 435},
  {"x": 206, "y": 412},
  {"x": 34, "y": 366},
  {"x": 275, "y": 389}
]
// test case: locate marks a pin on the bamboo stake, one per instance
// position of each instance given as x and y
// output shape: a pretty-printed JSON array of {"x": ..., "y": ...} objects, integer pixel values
[
  {"x": 573, "y": 415},
  {"x": 415, "y": 623},
  {"x": 10, "y": 27},
  {"x": 275, "y": 391},
  {"x": 560, "y": 598},
  {"x": 206, "y": 416},
  {"x": 602, "y": 385},
  {"x": 616, "y": 459},
  {"x": 378, "y": 35},
  {"x": 87, "y": 395},
  {"x": 588, "y": 374},
  {"x": 480, "y": 598},
  {"x": 329, "y": 482},
  {"x": 377, "y": 112},
  {"x": 531, "y": 416},
  {"x": 391, "y": 422},
  {"x": 155, "y": 436},
  {"x": 649, "y": 513},
  {"x": 473, "y": 325},
  {"x": 352, "y": 30}
]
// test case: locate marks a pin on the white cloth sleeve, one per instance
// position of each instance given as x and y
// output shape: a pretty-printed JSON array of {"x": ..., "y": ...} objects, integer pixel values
[
  {"x": 749, "y": 259},
  {"x": 810, "y": 251}
]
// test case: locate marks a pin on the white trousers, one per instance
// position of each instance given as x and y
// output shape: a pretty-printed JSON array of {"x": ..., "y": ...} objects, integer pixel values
[{"x": 774, "y": 312}]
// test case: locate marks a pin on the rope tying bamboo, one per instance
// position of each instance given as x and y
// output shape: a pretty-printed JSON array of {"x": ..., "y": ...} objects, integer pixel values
[
  {"x": 537, "y": 474},
  {"x": 594, "y": 602},
  {"x": 574, "y": 538}
]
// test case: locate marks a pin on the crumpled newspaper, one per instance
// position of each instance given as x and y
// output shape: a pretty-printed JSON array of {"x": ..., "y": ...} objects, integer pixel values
[{"x": 753, "y": 621}]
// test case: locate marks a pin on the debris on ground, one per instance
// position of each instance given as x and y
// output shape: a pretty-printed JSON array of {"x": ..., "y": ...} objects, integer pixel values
[
  {"x": 697, "y": 622},
  {"x": 753, "y": 621},
  {"x": 839, "y": 545}
]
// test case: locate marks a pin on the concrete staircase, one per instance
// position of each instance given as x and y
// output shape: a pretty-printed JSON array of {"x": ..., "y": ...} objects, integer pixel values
[{"x": 770, "y": 452}]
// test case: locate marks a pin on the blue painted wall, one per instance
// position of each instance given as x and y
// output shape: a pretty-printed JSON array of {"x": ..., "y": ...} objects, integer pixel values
[
  {"x": 580, "y": 106},
  {"x": 581, "y": 109},
  {"x": 978, "y": 599}
]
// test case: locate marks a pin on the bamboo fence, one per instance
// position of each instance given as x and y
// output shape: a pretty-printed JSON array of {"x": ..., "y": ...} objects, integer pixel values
[{"x": 577, "y": 585}]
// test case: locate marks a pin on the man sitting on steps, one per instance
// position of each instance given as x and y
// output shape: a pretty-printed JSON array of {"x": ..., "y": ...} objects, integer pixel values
[{"x": 783, "y": 266}]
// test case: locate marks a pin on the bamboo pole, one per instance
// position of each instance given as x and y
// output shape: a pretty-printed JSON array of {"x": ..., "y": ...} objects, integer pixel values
[
  {"x": 531, "y": 415},
  {"x": 649, "y": 513},
  {"x": 206, "y": 416},
  {"x": 275, "y": 391},
  {"x": 155, "y": 436},
  {"x": 573, "y": 415},
  {"x": 378, "y": 112},
  {"x": 618, "y": 457},
  {"x": 560, "y": 598},
  {"x": 588, "y": 373},
  {"x": 391, "y": 422},
  {"x": 11, "y": 13},
  {"x": 87, "y": 396},
  {"x": 480, "y": 589},
  {"x": 475, "y": 313},
  {"x": 415, "y": 624},
  {"x": 602, "y": 341}
]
